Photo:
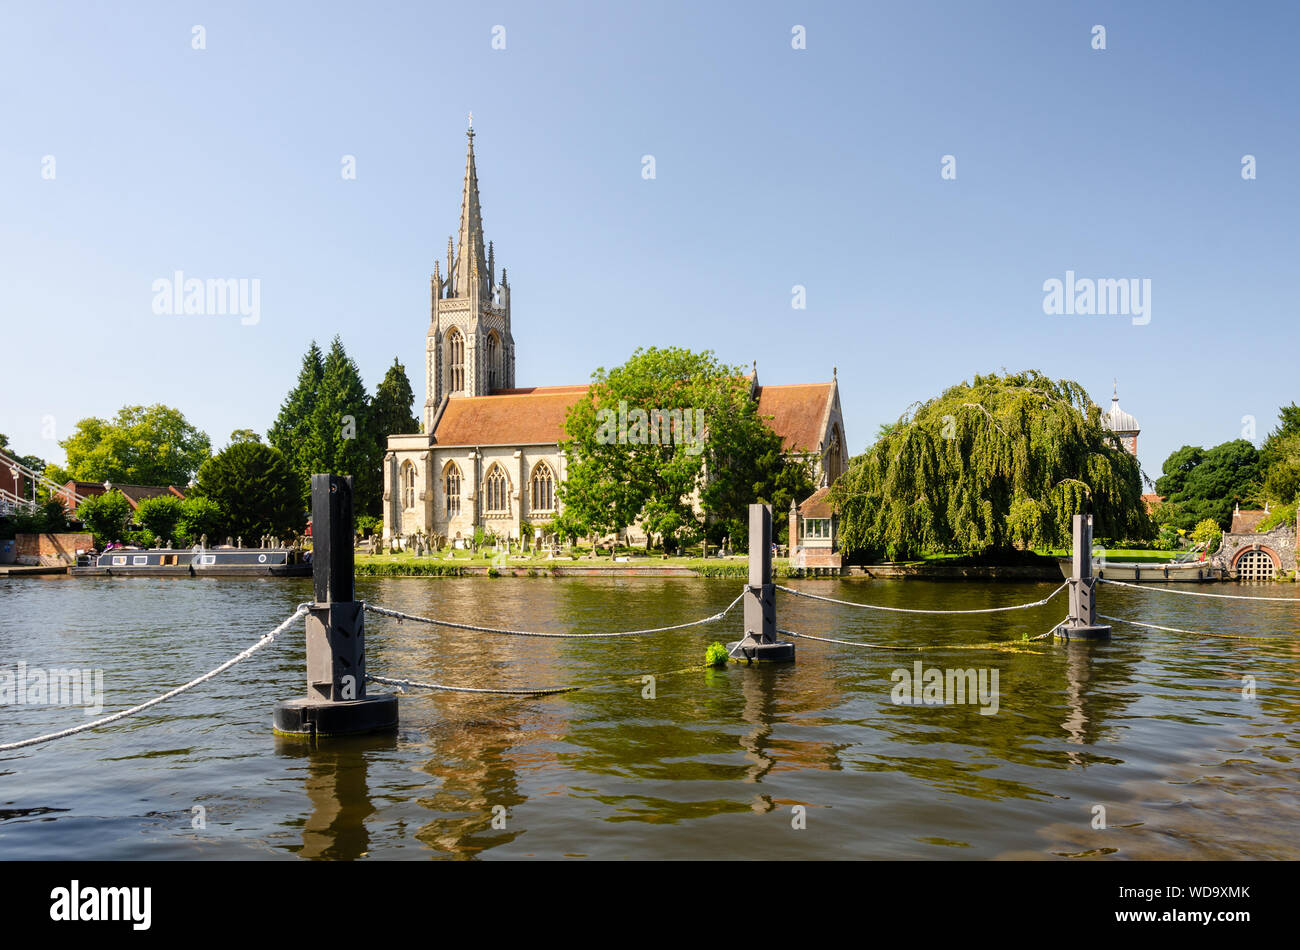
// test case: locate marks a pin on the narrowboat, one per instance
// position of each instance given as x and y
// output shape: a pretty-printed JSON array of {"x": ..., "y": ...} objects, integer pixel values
[
  {"x": 1194, "y": 572},
  {"x": 196, "y": 562}
]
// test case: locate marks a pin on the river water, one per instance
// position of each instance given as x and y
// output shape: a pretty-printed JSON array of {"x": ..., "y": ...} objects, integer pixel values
[{"x": 1150, "y": 746}]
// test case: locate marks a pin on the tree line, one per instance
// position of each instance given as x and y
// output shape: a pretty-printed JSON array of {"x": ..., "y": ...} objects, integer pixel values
[{"x": 327, "y": 423}]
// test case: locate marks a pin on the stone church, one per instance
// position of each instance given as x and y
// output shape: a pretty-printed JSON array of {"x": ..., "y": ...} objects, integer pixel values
[{"x": 489, "y": 454}]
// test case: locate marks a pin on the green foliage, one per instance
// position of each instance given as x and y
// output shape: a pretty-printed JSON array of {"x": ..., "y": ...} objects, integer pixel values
[
  {"x": 998, "y": 463},
  {"x": 48, "y": 517},
  {"x": 367, "y": 525},
  {"x": 391, "y": 409},
  {"x": 160, "y": 516},
  {"x": 1207, "y": 483},
  {"x": 255, "y": 489},
  {"x": 1279, "y": 515},
  {"x": 327, "y": 424},
  {"x": 105, "y": 516},
  {"x": 199, "y": 516},
  {"x": 1207, "y": 532},
  {"x": 151, "y": 445},
  {"x": 621, "y": 471},
  {"x": 292, "y": 431},
  {"x": 1279, "y": 459},
  {"x": 244, "y": 435},
  {"x": 1167, "y": 540},
  {"x": 716, "y": 654},
  {"x": 421, "y": 568}
]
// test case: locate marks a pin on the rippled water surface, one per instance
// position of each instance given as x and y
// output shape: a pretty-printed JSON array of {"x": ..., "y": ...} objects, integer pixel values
[{"x": 1152, "y": 727}]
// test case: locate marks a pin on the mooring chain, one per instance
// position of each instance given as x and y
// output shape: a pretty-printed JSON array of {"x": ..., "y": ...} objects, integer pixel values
[
  {"x": 302, "y": 609},
  {"x": 1197, "y": 593},
  {"x": 400, "y": 615},
  {"x": 915, "y": 610},
  {"x": 1196, "y": 633},
  {"x": 416, "y": 684},
  {"x": 990, "y": 645}
]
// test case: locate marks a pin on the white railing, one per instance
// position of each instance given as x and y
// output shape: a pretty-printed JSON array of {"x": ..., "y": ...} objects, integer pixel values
[{"x": 17, "y": 468}]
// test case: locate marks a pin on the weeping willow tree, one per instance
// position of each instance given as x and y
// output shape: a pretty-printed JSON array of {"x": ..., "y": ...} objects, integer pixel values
[{"x": 1000, "y": 463}]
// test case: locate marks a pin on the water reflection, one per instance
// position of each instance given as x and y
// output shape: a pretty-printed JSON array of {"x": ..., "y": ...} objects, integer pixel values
[
  {"x": 335, "y": 782},
  {"x": 1154, "y": 726}
]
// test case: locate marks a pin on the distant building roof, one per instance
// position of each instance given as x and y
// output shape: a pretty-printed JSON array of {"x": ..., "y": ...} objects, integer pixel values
[
  {"x": 1152, "y": 502},
  {"x": 508, "y": 417},
  {"x": 1246, "y": 522},
  {"x": 1117, "y": 420},
  {"x": 536, "y": 416},
  {"x": 817, "y": 505},
  {"x": 134, "y": 493},
  {"x": 798, "y": 413}
]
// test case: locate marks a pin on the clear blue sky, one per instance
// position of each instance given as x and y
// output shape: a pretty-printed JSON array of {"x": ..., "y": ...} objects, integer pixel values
[{"x": 775, "y": 167}]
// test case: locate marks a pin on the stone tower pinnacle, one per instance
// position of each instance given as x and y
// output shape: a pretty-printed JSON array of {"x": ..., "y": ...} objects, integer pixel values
[
  {"x": 469, "y": 349},
  {"x": 470, "y": 259}
]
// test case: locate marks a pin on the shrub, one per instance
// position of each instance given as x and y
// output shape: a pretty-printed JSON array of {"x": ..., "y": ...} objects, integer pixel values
[
  {"x": 160, "y": 516},
  {"x": 199, "y": 516},
  {"x": 716, "y": 654},
  {"x": 1207, "y": 531},
  {"x": 255, "y": 489},
  {"x": 105, "y": 516}
]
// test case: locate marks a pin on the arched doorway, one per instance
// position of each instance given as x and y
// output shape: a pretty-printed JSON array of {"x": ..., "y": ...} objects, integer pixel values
[{"x": 1256, "y": 565}]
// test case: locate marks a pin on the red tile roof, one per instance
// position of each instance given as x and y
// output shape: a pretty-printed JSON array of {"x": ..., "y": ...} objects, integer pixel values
[
  {"x": 508, "y": 417},
  {"x": 536, "y": 416},
  {"x": 797, "y": 413},
  {"x": 817, "y": 505}
]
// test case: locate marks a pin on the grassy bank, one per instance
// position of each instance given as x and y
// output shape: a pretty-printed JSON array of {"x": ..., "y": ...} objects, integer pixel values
[{"x": 463, "y": 564}]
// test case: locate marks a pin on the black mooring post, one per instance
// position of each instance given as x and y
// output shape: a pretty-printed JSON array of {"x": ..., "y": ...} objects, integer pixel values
[
  {"x": 336, "y": 702},
  {"x": 1082, "y": 622},
  {"x": 759, "y": 641}
]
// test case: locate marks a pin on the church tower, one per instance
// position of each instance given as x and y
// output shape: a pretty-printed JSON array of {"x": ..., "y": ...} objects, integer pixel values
[{"x": 469, "y": 350}]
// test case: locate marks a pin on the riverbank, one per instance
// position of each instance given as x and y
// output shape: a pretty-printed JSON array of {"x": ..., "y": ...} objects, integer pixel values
[
  {"x": 1030, "y": 568},
  {"x": 19, "y": 570}
]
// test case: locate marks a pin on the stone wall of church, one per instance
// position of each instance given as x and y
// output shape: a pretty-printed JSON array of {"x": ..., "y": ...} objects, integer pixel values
[{"x": 431, "y": 513}]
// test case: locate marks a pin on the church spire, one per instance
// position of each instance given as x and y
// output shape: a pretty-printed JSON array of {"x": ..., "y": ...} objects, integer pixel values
[{"x": 470, "y": 262}]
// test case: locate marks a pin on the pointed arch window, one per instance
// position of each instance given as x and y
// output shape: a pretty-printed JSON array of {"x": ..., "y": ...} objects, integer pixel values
[
  {"x": 408, "y": 486},
  {"x": 455, "y": 360},
  {"x": 493, "y": 349},
  {"x": 451, "y": 486},
  {"x": 834, "y": 458},
  {"x": 543, "y": 488},
  {"x": 495, "y": 491}
]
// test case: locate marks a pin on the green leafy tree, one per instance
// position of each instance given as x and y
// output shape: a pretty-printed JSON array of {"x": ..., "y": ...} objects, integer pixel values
[
  {"x": 707, "y": 443},
  {"x": 1208, "y": 483},
  {"x": 345, "y": 431},
  {"x": 199, "y": 516},
  {"x": 391, "y": 410},
  {"x": 999, "y": 463},
  {"x": 105, "y": 516},
  {"x": 624, "y": 464},
  {"x": 326, "y": 425},
  {"x": 292, "y": 433},
  {"x": 244, "y": 435},
  {"x": 748, "y": 466},
  {"x": 255, "y": 489},
  {"x": 160, "y": 516},
  {"x": 151, "y": 445},
  {"x": 1279, "y": 459}
]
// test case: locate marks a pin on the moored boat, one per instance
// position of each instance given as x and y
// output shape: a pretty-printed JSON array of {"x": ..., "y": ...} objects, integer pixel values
[
  {"x": 1193, "y": 572},
  {"x": 196, "y": 562}
]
